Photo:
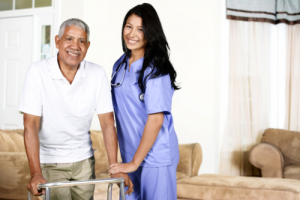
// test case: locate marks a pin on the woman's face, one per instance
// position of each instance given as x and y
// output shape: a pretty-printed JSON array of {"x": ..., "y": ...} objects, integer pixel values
[{"x": 133, "y": 34}]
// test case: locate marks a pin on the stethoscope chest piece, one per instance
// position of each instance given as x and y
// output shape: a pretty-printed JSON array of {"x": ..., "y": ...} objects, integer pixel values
[{"x": 142, "y": 97}]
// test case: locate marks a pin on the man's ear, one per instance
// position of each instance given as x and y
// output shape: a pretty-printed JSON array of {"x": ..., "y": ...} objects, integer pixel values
[
  {"x": 89, "y": 43},
  {"x": 56, "y": 41}
]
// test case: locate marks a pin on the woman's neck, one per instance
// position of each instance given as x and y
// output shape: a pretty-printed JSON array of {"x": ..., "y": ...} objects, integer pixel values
[{"x": 136, "y": 55}]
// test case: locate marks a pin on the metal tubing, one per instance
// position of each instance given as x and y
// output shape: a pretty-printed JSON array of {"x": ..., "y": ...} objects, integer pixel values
[
  {"x": 109, "y": 191},
  {"x": 110, "y": 181},
  {"x": 122, "y": 190},
  {"x": 47, "y": 193},
  {"x": 76, "y": 183},
  {"x": 28, "y": 197}
]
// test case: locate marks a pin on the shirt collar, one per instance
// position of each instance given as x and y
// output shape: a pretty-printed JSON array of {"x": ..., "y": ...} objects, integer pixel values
[
  {"x": 136, "y": 65},
  {"x": 55, "y": 70}
]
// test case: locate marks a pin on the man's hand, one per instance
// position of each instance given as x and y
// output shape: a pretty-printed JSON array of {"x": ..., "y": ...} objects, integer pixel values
[
  {"x": 127, "y": 181},
  {"x": 32, "y": 185}
]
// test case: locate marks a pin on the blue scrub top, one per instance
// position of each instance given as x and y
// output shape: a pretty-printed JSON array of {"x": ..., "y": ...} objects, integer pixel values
[{"x": 131, "y": 114}]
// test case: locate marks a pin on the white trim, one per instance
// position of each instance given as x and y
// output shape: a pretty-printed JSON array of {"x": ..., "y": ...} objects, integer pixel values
[{"x": 57, "y": 21}]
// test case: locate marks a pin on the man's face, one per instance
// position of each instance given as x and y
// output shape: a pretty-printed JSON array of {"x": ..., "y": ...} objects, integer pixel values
[{"x": 72, "y": 46}]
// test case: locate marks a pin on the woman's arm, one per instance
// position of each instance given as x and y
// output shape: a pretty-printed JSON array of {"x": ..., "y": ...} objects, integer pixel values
[{"x": 151, "y": 130}]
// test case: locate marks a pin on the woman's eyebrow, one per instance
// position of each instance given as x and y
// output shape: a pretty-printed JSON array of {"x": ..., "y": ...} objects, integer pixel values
[{"x": 132, "y": 25}]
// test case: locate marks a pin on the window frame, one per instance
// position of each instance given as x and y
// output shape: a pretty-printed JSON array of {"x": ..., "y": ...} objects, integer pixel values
[{"x": 41, "y": 17}]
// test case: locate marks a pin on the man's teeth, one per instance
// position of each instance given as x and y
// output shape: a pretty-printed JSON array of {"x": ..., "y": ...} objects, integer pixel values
[{"x": 72, "y": 54}]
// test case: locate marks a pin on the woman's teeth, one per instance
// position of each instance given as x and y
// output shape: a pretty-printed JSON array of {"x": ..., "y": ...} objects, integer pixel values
[{"x": 132, "y": 41}]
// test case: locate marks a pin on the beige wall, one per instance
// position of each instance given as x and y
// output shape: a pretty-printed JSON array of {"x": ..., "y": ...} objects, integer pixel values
[{"x": 193, "y": 30}]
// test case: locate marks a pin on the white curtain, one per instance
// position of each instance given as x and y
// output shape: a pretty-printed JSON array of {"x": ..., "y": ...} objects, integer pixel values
[
  {"x": 292, "y": 121},
  {"x": 249, "y": 94}
]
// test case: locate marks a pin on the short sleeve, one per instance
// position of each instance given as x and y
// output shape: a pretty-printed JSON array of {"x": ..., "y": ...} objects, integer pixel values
[
  {"x": 158, "y": 95},
  {"x": 31, "y": 98},
  {"x": 104, "y": 104}
]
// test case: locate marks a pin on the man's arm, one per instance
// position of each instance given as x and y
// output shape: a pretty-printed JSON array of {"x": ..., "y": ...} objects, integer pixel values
[
  {"x": 32, "y": 146},
  {"x": 111, "y": 145},
  {"x": 109, "y": 136}
]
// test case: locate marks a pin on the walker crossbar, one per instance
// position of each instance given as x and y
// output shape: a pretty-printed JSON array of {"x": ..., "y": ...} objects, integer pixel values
[{"x": 110, "y": 181}]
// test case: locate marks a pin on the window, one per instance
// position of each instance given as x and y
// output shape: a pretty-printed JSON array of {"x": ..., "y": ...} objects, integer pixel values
[
  {"x": 6, "y": 5},
  {"x": 45, "y": 42}
]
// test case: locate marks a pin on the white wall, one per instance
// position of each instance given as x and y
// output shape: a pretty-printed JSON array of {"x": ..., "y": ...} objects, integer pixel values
[{"x": 193, "y": 30}]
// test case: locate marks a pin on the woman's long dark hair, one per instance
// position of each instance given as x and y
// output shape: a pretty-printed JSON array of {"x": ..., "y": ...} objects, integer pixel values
[{"x": 156, "y": 51}]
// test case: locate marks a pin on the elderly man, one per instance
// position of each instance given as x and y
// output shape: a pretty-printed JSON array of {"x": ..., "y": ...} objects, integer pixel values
[{"x": 59, "y": 99}]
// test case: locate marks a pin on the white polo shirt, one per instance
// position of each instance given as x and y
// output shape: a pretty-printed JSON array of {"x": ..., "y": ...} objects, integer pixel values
[{"x": 66, "y": 109}]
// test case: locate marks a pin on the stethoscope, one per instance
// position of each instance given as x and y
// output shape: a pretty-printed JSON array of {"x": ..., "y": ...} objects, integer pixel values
[{"x": 116, "y": 85}]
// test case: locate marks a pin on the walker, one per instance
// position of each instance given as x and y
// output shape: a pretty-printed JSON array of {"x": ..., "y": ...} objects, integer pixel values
[{"x": 110, "y": 182}]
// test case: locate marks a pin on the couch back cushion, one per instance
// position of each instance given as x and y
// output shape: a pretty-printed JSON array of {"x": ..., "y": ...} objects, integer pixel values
[
  {"x": 287, "y": 141},
  {"x": 190, "y": 159},
  {"x": 101, "y": 165},
  {"x": 11, "y": 141}
]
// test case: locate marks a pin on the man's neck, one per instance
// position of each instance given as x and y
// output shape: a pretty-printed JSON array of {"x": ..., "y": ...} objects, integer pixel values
[{"x": 67, "y": 71}]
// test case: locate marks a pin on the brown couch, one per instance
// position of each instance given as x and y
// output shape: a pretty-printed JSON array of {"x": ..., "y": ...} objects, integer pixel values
[
  {"x": 14, "y": 169},
  {"x": 278, "y": 154},
  {"x": 221, "y": 187}
]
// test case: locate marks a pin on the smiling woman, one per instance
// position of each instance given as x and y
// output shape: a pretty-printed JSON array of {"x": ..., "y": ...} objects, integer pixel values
[{"x": 142, "y": 99}]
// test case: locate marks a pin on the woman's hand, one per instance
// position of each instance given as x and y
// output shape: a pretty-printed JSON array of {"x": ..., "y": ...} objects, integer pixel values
[{"x": 123, "y": 167}]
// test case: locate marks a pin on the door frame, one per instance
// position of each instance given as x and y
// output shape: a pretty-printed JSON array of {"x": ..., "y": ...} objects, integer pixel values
[{"x": 41, "y": 16}]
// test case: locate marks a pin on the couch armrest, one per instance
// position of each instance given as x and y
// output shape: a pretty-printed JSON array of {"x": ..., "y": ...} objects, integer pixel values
[
  {"x": 14, "y": 175},
  {"x": 268, "y": 158},
  {"x": 190, "y": 159}
]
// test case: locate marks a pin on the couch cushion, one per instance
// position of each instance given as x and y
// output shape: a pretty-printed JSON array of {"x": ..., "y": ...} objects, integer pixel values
[
  {"x": 11, "y": 141},
  {"x": 287, "y": 141},
  {"x": 213, "y": 186},
  {"x": 190, "y": 159},
  {"x": 180, "y": 175},
  {"x": 100, "y": 155},
  {"x": 14, "y": 176},
  {"x": 101, "y": 165},
  {"x": 292, "y": 172}
]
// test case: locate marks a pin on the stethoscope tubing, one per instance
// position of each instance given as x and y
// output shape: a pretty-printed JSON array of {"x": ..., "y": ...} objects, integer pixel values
[{"x": 116, "y": 85}]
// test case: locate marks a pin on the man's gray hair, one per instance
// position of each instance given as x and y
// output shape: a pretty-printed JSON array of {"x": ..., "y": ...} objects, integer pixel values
[{"x": 74, "y": 22}]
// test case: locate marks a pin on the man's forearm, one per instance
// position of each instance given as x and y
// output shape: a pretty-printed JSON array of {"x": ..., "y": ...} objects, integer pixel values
[
  {"x": 32, "y": 146},
  {"x": 111, "y": 143},
  {"x": 109, "y": 135}
]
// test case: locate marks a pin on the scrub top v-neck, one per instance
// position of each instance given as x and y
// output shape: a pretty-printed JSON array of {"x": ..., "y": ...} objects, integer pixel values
[{"x": 131, "y": 113}]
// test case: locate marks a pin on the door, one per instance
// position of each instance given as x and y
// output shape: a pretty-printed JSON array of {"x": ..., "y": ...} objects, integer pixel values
[{"x": 15, "y": 58}]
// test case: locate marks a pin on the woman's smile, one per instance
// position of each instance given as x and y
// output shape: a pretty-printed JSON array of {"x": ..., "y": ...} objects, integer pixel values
[{"x": 132, "y": 41}]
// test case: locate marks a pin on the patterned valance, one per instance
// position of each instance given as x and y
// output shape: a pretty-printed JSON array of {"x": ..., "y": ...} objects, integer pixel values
[{"x": 273, "y": 11}]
